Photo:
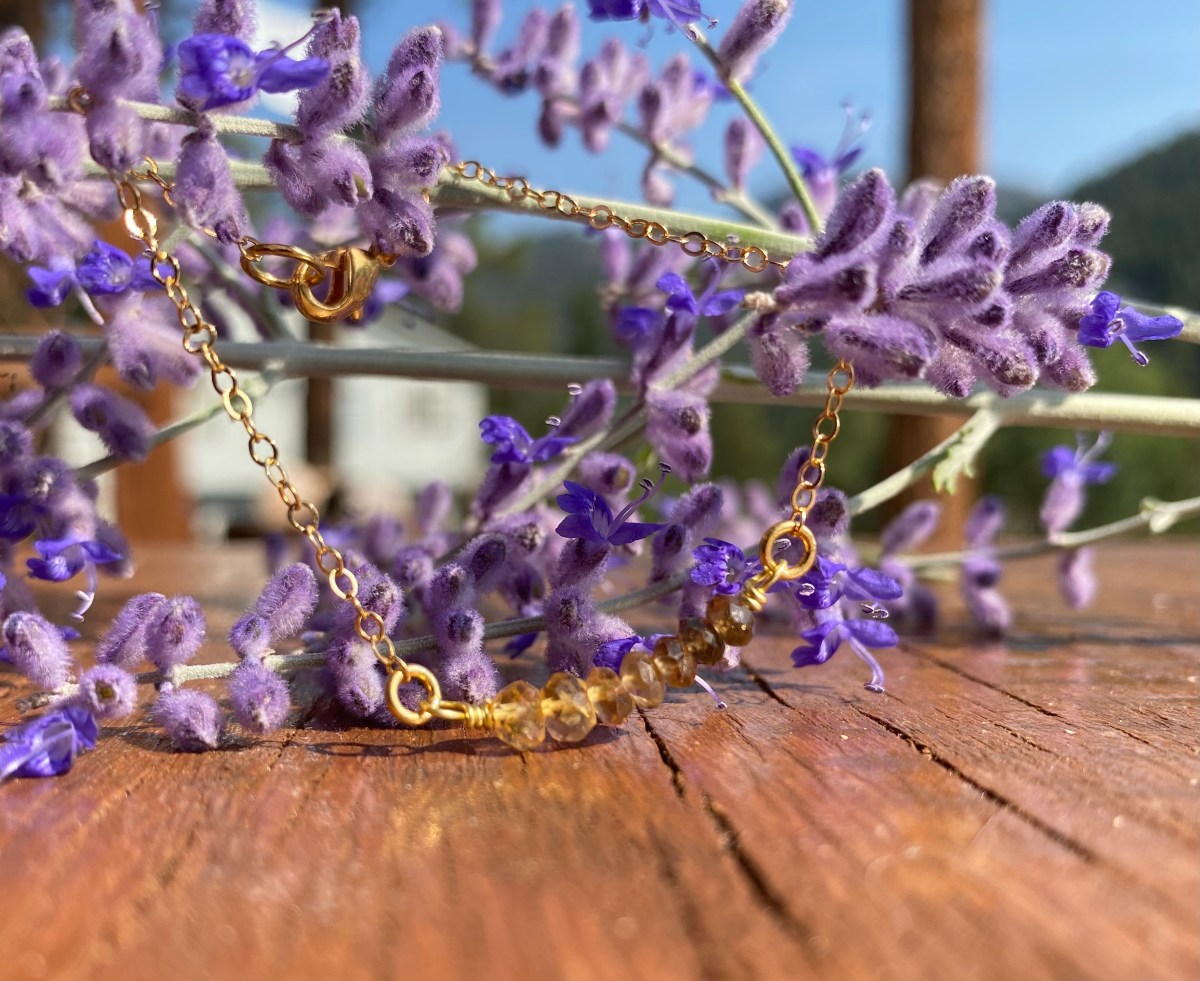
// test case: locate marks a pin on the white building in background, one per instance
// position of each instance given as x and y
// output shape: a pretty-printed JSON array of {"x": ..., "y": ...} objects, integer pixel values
[{"x": 392, "y": 436}]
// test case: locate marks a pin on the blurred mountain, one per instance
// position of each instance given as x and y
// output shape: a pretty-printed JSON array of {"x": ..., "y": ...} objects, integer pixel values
[{"x": 1154, "y": 238}]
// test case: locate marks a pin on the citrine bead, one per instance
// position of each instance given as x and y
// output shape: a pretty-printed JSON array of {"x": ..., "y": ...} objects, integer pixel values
[
  {"x": 732, "y": 619},
  {"x": 674, "y": 662},
  {"x": 517, "y": 710},
  {"x": 609, "y": 697},
  {"x": 643, "y": 680},
  {"x": 701, "y": 640},
  {"x": 569, "y": 713}
]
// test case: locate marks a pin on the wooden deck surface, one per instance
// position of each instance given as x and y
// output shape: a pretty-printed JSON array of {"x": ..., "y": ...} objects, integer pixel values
[{"x": 1015, "y": 810}]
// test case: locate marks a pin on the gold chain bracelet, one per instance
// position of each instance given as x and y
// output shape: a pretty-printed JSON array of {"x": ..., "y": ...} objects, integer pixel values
[{"x": 567, "y": 707}]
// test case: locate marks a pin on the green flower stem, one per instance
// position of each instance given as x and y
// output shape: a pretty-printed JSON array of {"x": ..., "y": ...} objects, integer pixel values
[
  {"x": 755, "y": 115},
  {"x": 964, "y": 443},
  {"x": 1157, "y": 516},
  {"x": 283, "y": 663},
  {"x": 1151, "y": 414},
  {"x": 257, "y": 388}
]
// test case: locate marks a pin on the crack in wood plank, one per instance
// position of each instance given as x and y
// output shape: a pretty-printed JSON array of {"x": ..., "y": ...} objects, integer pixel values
[
  {"x": 771, "y": 901},
  {"x": 1054, "y": 834}
]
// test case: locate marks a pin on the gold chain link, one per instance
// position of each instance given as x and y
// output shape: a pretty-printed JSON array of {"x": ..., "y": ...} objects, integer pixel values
[
  {"x": 199, "y": 338},
  {"x": 752, "y": 258},
  {"x": 810, "y": 475}
]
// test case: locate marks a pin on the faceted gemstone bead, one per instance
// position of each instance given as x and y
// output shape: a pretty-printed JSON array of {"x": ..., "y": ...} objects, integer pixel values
[
  {"x": 732, "y": 619},
  {"x": 675, "y": 662},
  {"x": 643, "y": 680},
  {"x": 567, "y": 707},
  {"x": 609, "y": 697},
  {"x": 701, "y": 640},
  {"x": 517, "y": 709}
]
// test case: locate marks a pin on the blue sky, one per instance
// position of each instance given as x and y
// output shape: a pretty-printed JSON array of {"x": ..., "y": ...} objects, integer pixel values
[{"x": 1071, "y": 87}]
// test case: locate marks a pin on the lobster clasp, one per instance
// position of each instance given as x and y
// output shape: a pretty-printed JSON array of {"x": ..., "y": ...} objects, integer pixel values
[
  {"x": 351, "y": 273},
  {"x": 347, "y": 275}
]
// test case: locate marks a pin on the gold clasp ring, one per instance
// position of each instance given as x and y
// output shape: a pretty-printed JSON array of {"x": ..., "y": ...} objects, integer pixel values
[{"x": 351, "y": 273}]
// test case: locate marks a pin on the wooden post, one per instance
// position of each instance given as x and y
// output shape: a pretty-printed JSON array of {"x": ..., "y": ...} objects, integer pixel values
[{"x": 944, "y": 44}]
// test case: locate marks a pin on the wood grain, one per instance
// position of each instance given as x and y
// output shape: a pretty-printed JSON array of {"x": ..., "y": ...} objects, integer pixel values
[{"x": 1017, "y": 810}]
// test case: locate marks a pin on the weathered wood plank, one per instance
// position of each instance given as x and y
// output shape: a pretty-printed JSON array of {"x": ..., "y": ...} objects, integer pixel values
[{"x": 952, "y": 828}]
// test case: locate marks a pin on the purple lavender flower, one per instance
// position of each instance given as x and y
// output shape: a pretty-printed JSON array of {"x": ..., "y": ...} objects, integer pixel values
[
  {"x": 980, "y": 573},
  {"x": 56, "y": 360},
  {"x": 576, "y": 630},
  {"x": 1070, "y": 471},
  {"x": 288, "y": 600},
  {"x": 591, "y": 409},
  {"x": 743, "y": 147},
  {"x": 911, "y": 527},
  {"x": 829, "y": 581},
  {"x": 37, "y": 649},
  {"x": 259, "y": 697},
  {"x": 192, "y": 719},
  {"x": 406, "y": 97},
  {"x": 1076, "y": 578},
  {"x": 218, "y": 70},
  {"x": 514, "y": 445},
  {"x": 1107, "y": 321},
  {"x": 174, "y": 632},
  {"x": 677, "y": 427},
  {"x": 337, "y": 101},
  {"x": 611, "y": 653},
  {"x": 822, "y": 174},
  {"x": 755, "y": 28},
  {"x": 47, "y": 746},
  {"x": 236, "y": 18},
  {"x": 680, "y": 13},
  {"x": 590, "y": 519},
  {"x": 124, "y": 644},
  {"x": 104, "y": 271},
  {"x": 824, "y": 640},
  {"x": 779, "y": 354},
  {"x": 719, "y": 565},
  {"x": 63, "y": 558},
  {"x": 606, "y": 82},
  {"x": 205, "y": 193},
  {"x": 108, "y": 691},
  {"x": 710, "y": 302},
  {"x": 120, "y": 54},
  {"x": 122, "y": 425}
]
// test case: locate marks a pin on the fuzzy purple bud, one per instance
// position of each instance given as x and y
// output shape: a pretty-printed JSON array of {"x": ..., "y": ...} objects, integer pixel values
[
  {"x": 339, "y": 100},
  {"x": 378, "y": 594},
  {"x": 1076, "y": 578},
  {"x": 910, "y": 527},
  {"x": 984, "y": 602},
  {"x": 677, "y": 428},
  {"x": 484, "y": 561},
  {"x": 122, "y": 425},
  {"x": 190, "y": 718},
  {"x": 16, "y": 441},
  {"x": 590, "y": 410},
  {"x": 108, "y": 691},
  {"x": 985, "y": 522},
  {"x": 120, "y": 53},
  {"x": 124, "y": 644},
  {"x": 56, "y": 360},
  {"x": 449, "y": 587},
  {"x": 1062, "y": 503},
  {"x": 861, "y": 217},
  {"x": 401, "y": 223},
  {"x": 408, "y": 162},
  {"x": 204, "y": 193},
  {"x": 233, "y": 18},
  {"x": 962, "y": 208},
  {"x": 699, "y": 509},
  {"x": 485, "y": 19},
  {"x": 778, "y": 354},
  {"x": 250, "y": 636},
  {"x": 743, "y": 148},
  {"x": 116, "y": 136},
  {"x": 609, "y": 474},
  {"x": 174, "y": 632},
  {"x": 37, "y": 649},
  {"x": 259, "y": 697},
  {"x": 407, "y": 95},
  {"x": 288, "y": 600},
  {"x": 755, "y": 28}
]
